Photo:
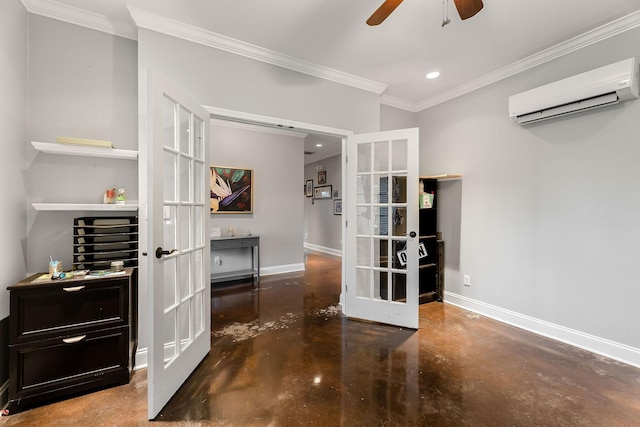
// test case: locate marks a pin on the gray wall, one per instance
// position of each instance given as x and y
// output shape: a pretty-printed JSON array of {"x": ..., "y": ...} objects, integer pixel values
[
  {"x": 548, "y": 214},
  {"x": 323, "y": 229},
  {"x": 225, "y": 80},
  {"x": 82, "y": 83},
  {"x": 13, "y": 127},
  {"x": 277, "y": 163},
  {"x": 392, "y": 118}
]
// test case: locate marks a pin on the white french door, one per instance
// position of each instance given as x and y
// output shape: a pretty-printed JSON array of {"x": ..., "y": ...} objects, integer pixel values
[
  {"x": 177, "y": 239},
  {"x": 382, "y": 227}
]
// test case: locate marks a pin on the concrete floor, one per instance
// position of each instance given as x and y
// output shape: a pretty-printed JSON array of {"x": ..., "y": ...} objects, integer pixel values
[{"x": 282, "y": 355}]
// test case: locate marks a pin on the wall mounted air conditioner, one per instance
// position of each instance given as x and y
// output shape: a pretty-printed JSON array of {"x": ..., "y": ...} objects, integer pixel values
[{"x": 596, "y": 88}]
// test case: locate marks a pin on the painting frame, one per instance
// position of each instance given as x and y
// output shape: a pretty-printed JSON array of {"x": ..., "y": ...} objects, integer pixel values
[
  {"x": 322, "y": 192},
  {"x": 322, "y": 177},
  {"x": 308, "y": 188},
  {"x": 231, "y": 190},
  {"x": 337, "y": 206}
]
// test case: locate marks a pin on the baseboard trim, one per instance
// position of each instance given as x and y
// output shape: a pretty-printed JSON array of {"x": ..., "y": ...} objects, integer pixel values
[
  {"x": 279, "y": 269},
  {"x": 141, "y": 359},
  {"x": 323, "y": 249},
  {"x": 611, "y": 349}
]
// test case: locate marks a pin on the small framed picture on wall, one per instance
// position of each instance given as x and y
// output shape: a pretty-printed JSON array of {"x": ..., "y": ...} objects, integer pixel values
[
  {"x": 337, "y": 206},
  {"x": 322, "y": 177},
  {"x": 308, "y": 188}
]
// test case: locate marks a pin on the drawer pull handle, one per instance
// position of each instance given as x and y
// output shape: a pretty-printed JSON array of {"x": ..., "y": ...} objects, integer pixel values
[
  {"x": 73, "y": 289},
  {"x": 74, "y": 339}
]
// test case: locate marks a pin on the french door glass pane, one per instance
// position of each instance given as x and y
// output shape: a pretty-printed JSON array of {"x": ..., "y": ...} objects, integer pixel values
[
  {"x": 170, "y": 225},
  {"x": 198, "y": 325},
  {"x": 381, "y": 221},
  {"x": 185, "y": 179},
  {"x": 198, "y": 142},
  {"x": 399, "y": 221},
  {"x": 199, "y": 190},
  {"x": 399, "y": 287},
  {"x": 381, "y": 156},
  {"x": 364, "y": 157},
  {"x": 363, "y": 282},
  {"x": 168, "y": 120},
  {"x": 185, "y": 276},
  {"x": 364, "y": 251},
  {"x": 170, "y": 281},
  {"x": 399, "y": 257},
  {"x": 185, "y": 130},
  {"x": 399, "y": 155},
  {"x": 363, "y": 189},
  {"x": 185, "y": 227},
  {"x": 169, "y": 333},
  {"x": 198, "y": 225},
  {"x": 170, "y": 164},
  {"x": 399, "y": 189},
  {"x": 380, "y": 285},
  {"x": 185, "y": 324},
  {"x": 382, "y": 258}
]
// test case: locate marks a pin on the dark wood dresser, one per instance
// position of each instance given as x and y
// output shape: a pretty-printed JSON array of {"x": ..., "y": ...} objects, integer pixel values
[{"x": 69, "y": 336}]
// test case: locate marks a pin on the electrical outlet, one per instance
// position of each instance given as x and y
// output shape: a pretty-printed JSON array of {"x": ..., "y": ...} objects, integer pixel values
[
  {"x": 217, "y": 260},
  {"x": 467, "y": 280}
]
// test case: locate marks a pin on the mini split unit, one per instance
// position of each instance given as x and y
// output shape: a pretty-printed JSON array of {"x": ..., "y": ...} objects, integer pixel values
[{"x": 596, "y": 88}]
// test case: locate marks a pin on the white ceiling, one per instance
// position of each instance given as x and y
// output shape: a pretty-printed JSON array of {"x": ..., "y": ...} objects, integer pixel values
[{"x": 330, "y": 37}]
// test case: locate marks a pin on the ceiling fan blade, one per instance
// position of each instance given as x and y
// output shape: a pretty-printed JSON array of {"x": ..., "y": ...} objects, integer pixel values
[
  {"x": 468, "y": 8},
  {"x": 383, "y": 12}
]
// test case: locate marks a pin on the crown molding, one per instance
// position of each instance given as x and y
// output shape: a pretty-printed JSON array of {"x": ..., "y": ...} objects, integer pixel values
[
  {"x": 55, "y": 10},
  {"x": 402, "y": 104},
  {"x": 589, "y": 38},
  {"x": 73, "y": 15},
  {"x": 194, "y": 34}
]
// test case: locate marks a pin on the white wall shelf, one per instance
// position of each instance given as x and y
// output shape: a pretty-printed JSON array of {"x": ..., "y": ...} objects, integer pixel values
[
  {"x": 443, "y": 177},
  {"x": 84, "y": 207},
  {"x": 85, "y": 151}
]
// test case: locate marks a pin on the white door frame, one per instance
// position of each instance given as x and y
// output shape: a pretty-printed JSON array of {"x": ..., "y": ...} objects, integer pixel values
[{"x": 278, "y": 123}]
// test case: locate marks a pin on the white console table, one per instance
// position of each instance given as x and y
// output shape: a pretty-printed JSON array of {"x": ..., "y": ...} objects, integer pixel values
[{"x": 237, "y": 242}]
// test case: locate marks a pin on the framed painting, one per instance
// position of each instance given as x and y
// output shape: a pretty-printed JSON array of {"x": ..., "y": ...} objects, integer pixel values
[
  {"x": 308, "y": 188},
  {"x": 231, "y": 190},
  {"x": 337, "y": 206},
  {"x": 322, "y": 177},
  {"x": 322, "y": 192}
]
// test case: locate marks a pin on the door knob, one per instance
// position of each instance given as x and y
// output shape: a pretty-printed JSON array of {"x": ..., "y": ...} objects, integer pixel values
[
  {"x": 160, "y": 252},
  {"x": 412, "y": 234}
]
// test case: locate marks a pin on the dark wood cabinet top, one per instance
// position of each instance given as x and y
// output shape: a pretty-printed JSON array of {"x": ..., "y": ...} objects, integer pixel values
[{"x": 44, "y": 280}]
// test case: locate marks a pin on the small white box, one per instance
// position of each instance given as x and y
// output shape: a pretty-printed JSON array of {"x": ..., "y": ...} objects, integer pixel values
[{"x": 216, "y": 232}]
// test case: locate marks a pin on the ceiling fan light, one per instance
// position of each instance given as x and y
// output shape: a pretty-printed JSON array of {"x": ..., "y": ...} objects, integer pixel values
[{"x": 433, "y": 75}]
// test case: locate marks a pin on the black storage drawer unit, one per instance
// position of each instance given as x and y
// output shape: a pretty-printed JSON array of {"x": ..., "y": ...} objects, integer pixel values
[
  {"x": 69, "y": 306},
  {"x": 78, "y": 362},
  {"x": 68, "y": 336}
]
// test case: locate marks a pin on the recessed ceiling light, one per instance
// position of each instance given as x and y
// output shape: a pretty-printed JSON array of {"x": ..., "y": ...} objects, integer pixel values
[
  {"x": 433, "y": 75},
  {"x": 318, "y": 145}
]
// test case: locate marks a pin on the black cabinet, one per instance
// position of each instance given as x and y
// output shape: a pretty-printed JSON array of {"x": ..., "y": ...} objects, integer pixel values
[
  {"x": 69, "y": 336},
  {"x": 431, "y": 266}
]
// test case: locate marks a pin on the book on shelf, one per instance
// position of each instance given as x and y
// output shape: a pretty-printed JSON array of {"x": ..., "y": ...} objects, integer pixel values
[
  {"x": 426, "y": 200},
  {"x": 84, "y": 142}
]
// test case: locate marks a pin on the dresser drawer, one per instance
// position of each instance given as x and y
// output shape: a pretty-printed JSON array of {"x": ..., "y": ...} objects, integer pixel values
[
  {"x": 64, "y": 365},
  {"x": 70, "y": 307}
]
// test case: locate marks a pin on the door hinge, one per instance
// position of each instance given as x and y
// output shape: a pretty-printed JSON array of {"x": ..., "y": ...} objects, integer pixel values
[
  {"x": 346, "y": 159},
  {"x": 346, "y": 224}
]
